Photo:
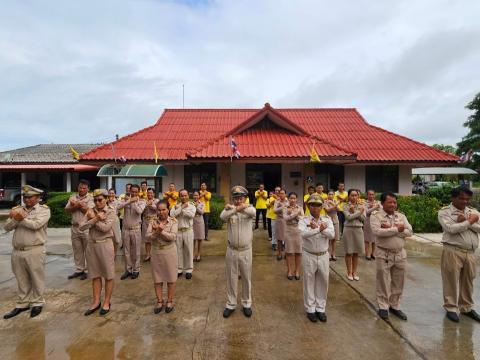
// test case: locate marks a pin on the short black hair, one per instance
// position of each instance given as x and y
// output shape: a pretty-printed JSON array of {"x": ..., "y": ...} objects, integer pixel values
[
  {"x": 292, "y": 193},
  {"x": 150, "y": 188},
  {"x": 460, "y": 189},
  {"x": 311, "y": 187},
  {"x": 163, "y": 201},
  {"x": 112, "y": 189},
  {"x": 144, "y": 182},
  {"x": 386, "y": 194},
  {"x": 350, "y": 191},
  {"x": 134, "y": 186},
  {"x": 84, "y": 182},
  {"x": 319, "y": 184}
]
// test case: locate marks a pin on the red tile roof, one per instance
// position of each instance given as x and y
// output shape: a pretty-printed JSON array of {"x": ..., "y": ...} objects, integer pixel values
[{"x": 181, "y": 134}]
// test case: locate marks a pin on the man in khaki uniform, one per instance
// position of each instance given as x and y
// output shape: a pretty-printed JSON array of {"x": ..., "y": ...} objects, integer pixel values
[
  {"x": 460, "y": 224},
  {"x": 316, "y": 231},
  {"x": 239, "y": 218},
  {"x": 28, "y": 256},
  {"x": 132, "y": 232},
  {"x": 78, "y": 206},
  {"x": 184, "y": 213},
  {"x": 390, "y": 228}
]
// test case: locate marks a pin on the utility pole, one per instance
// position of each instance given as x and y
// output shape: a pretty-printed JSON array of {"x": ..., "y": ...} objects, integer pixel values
[{"x": 183, "y": 96}]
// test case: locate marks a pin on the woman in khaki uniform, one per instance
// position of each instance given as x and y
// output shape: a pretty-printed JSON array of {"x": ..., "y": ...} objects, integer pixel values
[
  {"x": 100, "y": 253},
  {"x": 371, "y": 205},
  {"x": 293, "y": 239},
  {"x": 352, "y": 237},
  {"x": 280, "y": 204},
  {"x": 149, "y": 214},
  {"x": 163, "y": 234},
  {"x": 198, "y": 227},
  {"x": 330, "y": 206}
]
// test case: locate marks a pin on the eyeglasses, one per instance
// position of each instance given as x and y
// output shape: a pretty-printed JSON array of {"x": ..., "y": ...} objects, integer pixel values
[{"x": 98, "y": 200}]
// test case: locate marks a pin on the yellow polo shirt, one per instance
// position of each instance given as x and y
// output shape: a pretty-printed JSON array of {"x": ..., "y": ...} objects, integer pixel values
[
  {"x": 261, "y": 202},
  {"x": 172, "y": 200},
  {"x": 341, "y": 198},
  {"x": 305, "y": 199},
  {"x": 205, "y": 197},
  {"x": 270, "y": 212},
  {"x": 142, "y": 194}
]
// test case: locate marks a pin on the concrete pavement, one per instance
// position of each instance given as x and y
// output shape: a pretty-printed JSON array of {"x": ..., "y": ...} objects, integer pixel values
[{"x": 196, "y": 329}]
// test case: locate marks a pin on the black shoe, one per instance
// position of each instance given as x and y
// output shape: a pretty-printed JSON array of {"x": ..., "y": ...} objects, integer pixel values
[
  {"x": 179, "y": 275},
  {"x": 158, "y": 310},
  {"x": 372, "y": 257},
  {"x": 312, "y": 317},
  {"x": 398, "y": 313},
  {"x": 135, "y": 275},
  {"x": 255, "y": 228},
  {"x": 169, "y": 309},
  {"x": 247, "y": 311},
  {"x": 83, "y": 276},
  {"x": 368, "y": 258},
  {"x": 227, "y": 312},
  {"x": 334, "y": 258},
  {"x": 15, "y": 312},
  {"x": 274, "y": 247},
  {"x": 290, "y": 277},
  {"x": 322, "y": 316},
  {"x": 125, "y": 275},
  {"x": 105, "y": 311},
  {"x": 383, "y": 314},
  {"x": 453, "y": 316},
  {"x": 91, "y": 311},
  {"x": 188, "y": 276},
  {"x": 36, "y": 310},
  {"x": 75, "y": 275},
  {"x": 472, "y": 314},
  {"x": 297, "y": 277},
  {"x": 279, "y": 257}
]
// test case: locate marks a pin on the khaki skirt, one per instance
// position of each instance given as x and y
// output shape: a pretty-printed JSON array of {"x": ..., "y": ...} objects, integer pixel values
[
  {"x": 367, "y": 231},
  {"x": 353, "y": 240},
  {"x": 198, "y": 228},
  {"x": 293, "y": 239},
  {"x": 280, "y": 229},
  {"x": 164, "y": 264},
  {"x": 101, "y": 259}
]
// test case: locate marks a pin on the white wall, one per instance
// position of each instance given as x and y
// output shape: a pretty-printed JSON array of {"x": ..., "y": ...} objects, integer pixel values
[
  {"x": 405, "y": 180},
  {"x": 355, "y": 177},
  {"x": 237, "y": 174},
  {"x": 293, "y": 184},
  {"x": 175, "y": 174}
]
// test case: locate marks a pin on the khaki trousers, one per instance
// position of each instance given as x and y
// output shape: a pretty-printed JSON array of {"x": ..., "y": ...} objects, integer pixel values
[
  {"x": 29, "y": 269},
  {"x": 458, "y": 271},
  {"x": 185, "y": 251},
  {"x": 132, "y": 241},
  {"x": 239, "y": 262},
  {"x": 391, "y": 268},
  {"x": 79, "y": 246},
  {"x": 315, "y": 281}
]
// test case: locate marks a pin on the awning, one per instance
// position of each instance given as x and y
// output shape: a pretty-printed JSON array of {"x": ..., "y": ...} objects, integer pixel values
[
  {"x": 108, "y": 170},
  {"x": 443, "y": 171},
  {"x": 142, "y": 170}
]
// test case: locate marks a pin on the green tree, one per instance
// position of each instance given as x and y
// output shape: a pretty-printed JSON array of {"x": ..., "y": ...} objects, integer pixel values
[
  {"x": 471, "y": 141},
  {"x": 447, "y": 148}
]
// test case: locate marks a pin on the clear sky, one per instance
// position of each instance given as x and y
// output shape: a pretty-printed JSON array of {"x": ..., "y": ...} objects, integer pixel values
[{"x": 83, "y": 71}]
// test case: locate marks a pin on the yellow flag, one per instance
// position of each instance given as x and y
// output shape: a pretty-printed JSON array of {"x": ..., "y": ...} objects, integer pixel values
[
  {"x": 313, "y": 155},
  {"x": 75, "y": 154},
  {"x": 155, "y": 152}
]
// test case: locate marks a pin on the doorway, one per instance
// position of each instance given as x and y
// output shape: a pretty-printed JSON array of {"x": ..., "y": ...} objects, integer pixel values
[{"x": 268, "y": 174}]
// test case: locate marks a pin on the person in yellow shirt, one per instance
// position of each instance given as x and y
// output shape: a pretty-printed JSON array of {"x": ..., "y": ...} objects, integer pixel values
[
  {"x": 261, "y": 197},
  {"x": 320, "y": 191},
  {"x": 310, "y": 190},
  {"x": 171, "y": 196},
  {"x": 142, "y": 194},
  {"x": 341, "y": 196},
  {"x": 205, "y": 197},
  {"x": 272, "y": 217}
]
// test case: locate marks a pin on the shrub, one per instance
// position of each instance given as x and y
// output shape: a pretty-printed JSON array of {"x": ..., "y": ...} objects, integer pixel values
[
  {"x": 442, "y": 194},
  {"x": 217, "y": 203},
  {"x": 59, "y": 217},
  {"x": 421, "y": 212}
]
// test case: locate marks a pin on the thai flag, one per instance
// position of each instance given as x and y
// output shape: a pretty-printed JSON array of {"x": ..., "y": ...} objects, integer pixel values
[
  {"x": 233, "y": 145},
  {"x": 466, "y": 157}
]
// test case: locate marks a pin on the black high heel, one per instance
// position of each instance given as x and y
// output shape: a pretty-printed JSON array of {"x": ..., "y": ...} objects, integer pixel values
[{"x": 91, "y": 311}]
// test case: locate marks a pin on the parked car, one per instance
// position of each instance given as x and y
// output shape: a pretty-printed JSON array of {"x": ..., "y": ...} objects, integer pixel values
[
  {"x": 11, "y": 192},
  {"x": 438, "y": 184},
  {"x": 419, "y": 188}
]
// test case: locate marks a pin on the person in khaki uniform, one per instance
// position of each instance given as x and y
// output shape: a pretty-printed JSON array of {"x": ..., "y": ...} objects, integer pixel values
[
  {"x": 162, "y": 232},
  {"x": 238, "y": 259},
  {"x": 78, "y": 206},
  {"x": 148, "y": 215},
  {"x": 316, "y": 231},
  {"x": 461, "y": 226},
  {"x": 29, "y": 223},
  {"x": 390, "y": 228},
  {"x": 184, "y": 213},
  {"x": 101, "y": 222},
  {"x": 132, "y": 233}
]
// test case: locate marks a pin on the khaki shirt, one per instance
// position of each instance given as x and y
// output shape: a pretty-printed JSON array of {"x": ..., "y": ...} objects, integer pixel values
[
  {"x": 166, "y": 236},
  {"x": 199, "y": 209},
  {"x": 32, "y": 230},
  {"x": 184, "y": 216},
  {"x": 100, "y": 230},
  {"x": 314, "y": 240},
  {"x": 390, "y": 238},
  {"x": 150, "y": 211},
  {"x": 239, "y": 227},
  {"x": 296, "y": 213},
  {"x": 279, "y": 206},
  {"x": 78, "y": 216},
  {"x": 458, "y": 234},
  {"x": 132, "y": 212},
  {"x": 355, "y": 219}
]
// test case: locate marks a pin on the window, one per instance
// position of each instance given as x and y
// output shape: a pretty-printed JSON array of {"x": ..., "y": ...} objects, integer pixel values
[
  {"x": 382, "y": 178},
  {"x": 194, "y": 175}
]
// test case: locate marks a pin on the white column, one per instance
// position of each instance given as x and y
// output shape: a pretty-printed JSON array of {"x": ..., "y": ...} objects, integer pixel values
[
  {"x": 355, "y": 177},
  {"x": 23, "y": 179},
  {"x": 69, "y": 182},
  {"x": 109, "y": 182},
  {"x": 405, "y": 180}
]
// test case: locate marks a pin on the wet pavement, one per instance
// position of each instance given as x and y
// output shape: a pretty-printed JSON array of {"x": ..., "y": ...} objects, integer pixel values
[{"x": 196, "y": 329}]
